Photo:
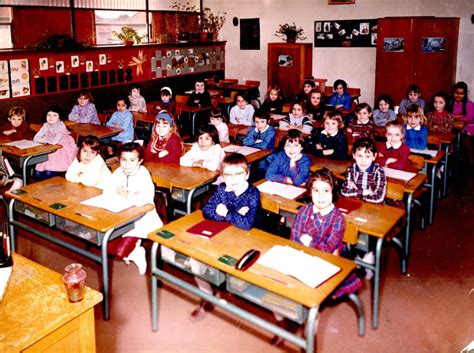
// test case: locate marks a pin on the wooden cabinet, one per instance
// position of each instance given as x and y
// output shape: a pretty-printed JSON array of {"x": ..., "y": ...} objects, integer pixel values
[
  {"x": 36, "y": 315},
  {"x": 288, "y": 65},
  {"x": 427, "y": 56}
]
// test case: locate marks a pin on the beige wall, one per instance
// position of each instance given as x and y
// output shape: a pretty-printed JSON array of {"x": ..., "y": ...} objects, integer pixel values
[{"x": 355, "y": 65}]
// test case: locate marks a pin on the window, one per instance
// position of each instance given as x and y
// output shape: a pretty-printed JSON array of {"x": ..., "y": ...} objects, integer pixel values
[
  {"x": 6, "y": 27},
  {"x": 108, "y": 21}
]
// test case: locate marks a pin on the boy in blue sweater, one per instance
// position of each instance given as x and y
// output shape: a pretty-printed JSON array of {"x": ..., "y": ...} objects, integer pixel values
[
  {"x": 123, "y": 119},
  {"x": 262, "y": 135},
  {"x": 289, "y": 166}
]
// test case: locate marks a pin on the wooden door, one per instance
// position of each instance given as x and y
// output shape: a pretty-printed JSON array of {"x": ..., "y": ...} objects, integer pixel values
[
  {"x": 288, "y": 64},
  {"x": 394, "y": 65},
  {"x": 435, "y": 70}
]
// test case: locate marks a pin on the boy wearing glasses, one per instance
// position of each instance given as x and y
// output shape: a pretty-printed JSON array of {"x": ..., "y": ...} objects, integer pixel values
[{"x": 235, "y": 201}]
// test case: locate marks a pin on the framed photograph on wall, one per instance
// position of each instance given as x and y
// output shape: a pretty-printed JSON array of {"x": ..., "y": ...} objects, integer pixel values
[{"x": 341, "y": 2}]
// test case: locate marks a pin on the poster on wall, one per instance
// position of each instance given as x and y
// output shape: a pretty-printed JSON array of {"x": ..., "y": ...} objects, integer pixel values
[
  {"x": 4, "y": 80},
  {"x": 394, "y": 45},
  {"x": 20, "y": 77},
  {"x": 433, "y": 44},
  {"x": 345, "y": 33}
]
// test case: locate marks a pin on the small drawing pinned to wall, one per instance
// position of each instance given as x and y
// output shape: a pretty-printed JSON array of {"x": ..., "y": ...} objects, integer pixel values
[
  {"x": 89, "y": 66},
  {"x": 364, "y": 28},
  {"x": 327, "y": 26},
  {"x": 59, "y": 66},
  {"x": 342, "y": 32},
  {"x": 285, "y": 60},
  {"x": 102, "y": 59},
  {"x": 43, "y": 63},
  {"x": 74, "y": 61},
  {"x": 435, "y": 44},
  {"x": 318, "y": 27},
  {"x": 393, "y": 44}
]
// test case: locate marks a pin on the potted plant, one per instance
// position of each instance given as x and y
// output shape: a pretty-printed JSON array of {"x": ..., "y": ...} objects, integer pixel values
[
  {"x": 128, "y": 36},
  {"x": 290, "y": 32},
  {"x": 212, "y": 23},
  {"x": 187, "y": 21}
]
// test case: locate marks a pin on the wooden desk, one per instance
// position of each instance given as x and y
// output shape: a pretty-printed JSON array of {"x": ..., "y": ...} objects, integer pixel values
[
  {"x": 447, "y": 140},
  {"x": 191, "y": 181},
  {"x": 235, "y": 242},
  {"x": 192, "y": 112},
  {"x": 100, "y": 131},
  {"x": 229, "y": 87},
  {"x": 97, "y": 227},
  {"x": 28, "y": 157},
  {"x": 376, "y": 220},
  {"x": 37, "y": 316}
]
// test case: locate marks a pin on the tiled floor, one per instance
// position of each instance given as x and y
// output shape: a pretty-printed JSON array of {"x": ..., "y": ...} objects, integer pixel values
[{"x": 429, "y": 310}]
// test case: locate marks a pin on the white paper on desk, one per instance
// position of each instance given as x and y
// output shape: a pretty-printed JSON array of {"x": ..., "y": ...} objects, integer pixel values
[
  {"x": 278, "y": 116},
  {"x": 398, "y": 174},
  {"x": 22, "y": 144},
  {"x": 110, "y": 203},
  {"x": 311, "y": 270},
  {"x": 284, "y": 190},
  {"x": 431, "y": 153},
  {"x": 245, "y": 150}
]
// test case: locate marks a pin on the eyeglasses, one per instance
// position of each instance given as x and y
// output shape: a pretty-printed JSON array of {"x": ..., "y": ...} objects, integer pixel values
[{"x": 225, "y": 175}]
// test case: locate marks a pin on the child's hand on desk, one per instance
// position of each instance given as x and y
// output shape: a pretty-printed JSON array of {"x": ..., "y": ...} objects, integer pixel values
[
  {"x": 122, "y": 191},
  {"x": 163, "y": 154},
  {"x": 352, "y": 185},
  {"x": 367, "y": 192},
  {"x": 288, "y": 180},
  {"x": 222, "y": 210},
  {"x": 319, "y": 146},
  {"x": 328, "y": 152},
  {"x": 243, "y": 211},
  {"x": 197, "y": 164},
  {"x": 9, "y": 132},
  {"x": 390, "y": 161}
]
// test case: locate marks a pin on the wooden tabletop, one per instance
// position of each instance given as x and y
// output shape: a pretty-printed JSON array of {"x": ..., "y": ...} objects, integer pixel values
[
  {"x": 235, "y": 242},
  {"x": 25, "y": 152},
  {"x": 36, "y": 304},
  {"x": 184, "y": 107},
  {"x": 45, "y": 193},
  {"x": 148, "y": 117},
  {"x": 167, "y": 175},
  {"x": 99, "y": 131}
]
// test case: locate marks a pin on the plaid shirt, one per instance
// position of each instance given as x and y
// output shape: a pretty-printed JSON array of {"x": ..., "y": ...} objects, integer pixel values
[
  {"x": 327, "y": 233},
  {"x": 372, "y": 179},
  {"x": 362, "y": 130}
]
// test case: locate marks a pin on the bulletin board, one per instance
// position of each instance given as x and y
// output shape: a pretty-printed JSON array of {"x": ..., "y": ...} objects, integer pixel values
[{"x": 345, "y": 33}]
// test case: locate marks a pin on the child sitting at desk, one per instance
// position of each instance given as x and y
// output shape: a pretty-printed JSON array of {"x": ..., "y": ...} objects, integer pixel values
[
  {"x": 166, "y": 102},
  {"x": 273, "y": 102},
  {"x": 340, "y": 99},
  {"x": 297, "y": 119},
  {"x": 365, "y": 179},
  {"x": 262, "y": 135},
  {"x": 84, "y": 111},
  {"x": 242, "y": 112},
  {"x": 439, "y": 118},
  {"x": 289, "y": 166},
  {"x": 305, "y": 94},
  {"x": 331, "y": 142},
  {"x": 321, "y": 225},
  {"x": 164, "y": 145},
  {"x": 200, "y": 97},
  {"x": 123, "y": 119},
  {"x": 463, "y": 109},
  {"x": 412, "y": 97},
  {"x": 362, "y": 126},
  {"x": 137, "y": 102},
  {"x": 88, "y": 167},
  {"x": 315, "y": 108},
  {"x": 16, "y": 127},
  {"x": 416, "y": 134},
  {"x": 133, "y": 182},
  {"x": 55, "y": 132},
  {"x": 394, "y": 153},
  {"x": 235, "y": 201},
  {"x": 217, "y": 119},
  {"x": 206, "y": 152},
  {"x": 385, "y": 112}
]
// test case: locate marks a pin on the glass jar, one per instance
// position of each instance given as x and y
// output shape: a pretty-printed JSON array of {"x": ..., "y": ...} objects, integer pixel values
[{"x": 75, "y": 280}]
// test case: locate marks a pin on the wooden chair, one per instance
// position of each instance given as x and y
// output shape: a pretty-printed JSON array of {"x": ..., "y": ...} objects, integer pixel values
[
  {"x": 254, "y": 93},
  {"x": 181, "y": 98},
  {"x": 230, "y": 80},
  {"x": 351, "y": 235},
  {"x": 208, "y": 81},
  {"x": 103, "y": 117}
]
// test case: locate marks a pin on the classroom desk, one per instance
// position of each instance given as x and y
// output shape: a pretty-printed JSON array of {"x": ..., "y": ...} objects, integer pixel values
[
  {"x": 229, "y": 87},
  {"x": 447, "y": 140},
  {"x": 98, "y": 227},
  {"x": 235, "y": 242},
  {"x": 191, "y": 181},
  {"x": 37, "y": 316},
  {"x": 100, "y": 131},
  {"x": 376, "y": 220},
  {"x": 28, "y": 157},
  {"x": 192, "y": 111}
]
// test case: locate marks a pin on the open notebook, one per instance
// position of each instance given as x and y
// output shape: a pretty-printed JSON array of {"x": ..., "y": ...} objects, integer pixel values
[
  {"x": 22, "y": 144},
  {"x": 398, "y": 174},
  {"x": 310, "y": 270},
  {"x": 280, "y": 189},
  {"x": 112, "y": 203},
  {"x": 245, "y": 150}
]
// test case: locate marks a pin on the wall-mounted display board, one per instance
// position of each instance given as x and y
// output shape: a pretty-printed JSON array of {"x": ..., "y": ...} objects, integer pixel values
[
  {"x": 49, "y": 72},
  {"x": 345, "y": 33}
]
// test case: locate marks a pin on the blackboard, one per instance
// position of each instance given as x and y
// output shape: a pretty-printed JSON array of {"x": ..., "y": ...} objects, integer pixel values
[{"x": 345, "y": 33}]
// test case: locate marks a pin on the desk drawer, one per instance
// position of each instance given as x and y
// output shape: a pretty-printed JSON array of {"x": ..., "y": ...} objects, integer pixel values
[
  {"x": 78, "y": 230},
  {"x": 268, "y": 300},
  {"x": 196, "y": 268},
  {"x": 36, "y": 213}
]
